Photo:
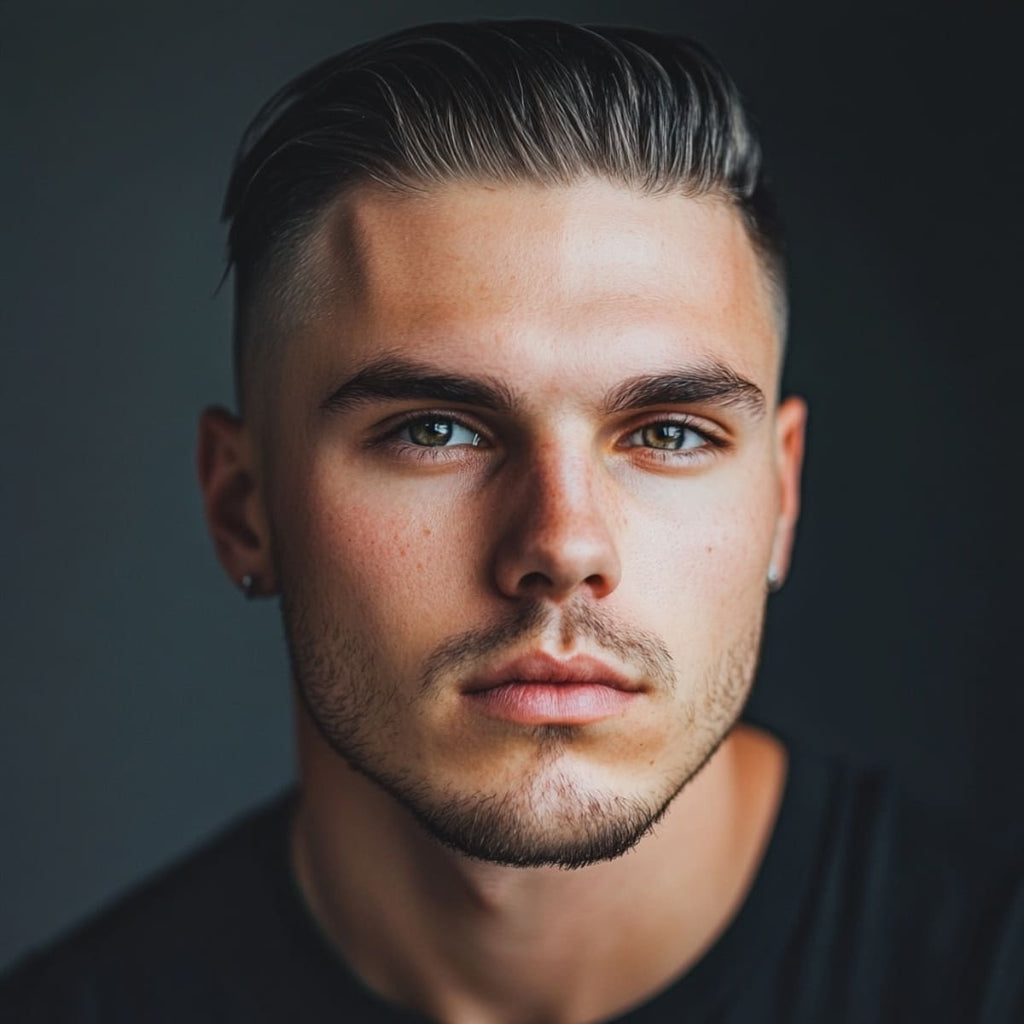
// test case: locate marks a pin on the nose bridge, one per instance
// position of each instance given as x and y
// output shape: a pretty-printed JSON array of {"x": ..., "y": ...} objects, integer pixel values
[
  {"x": 561, "y": 488},
  {"x": 559, "y": 535}
]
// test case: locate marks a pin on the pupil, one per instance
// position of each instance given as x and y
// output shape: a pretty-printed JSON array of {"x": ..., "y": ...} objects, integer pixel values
[
  {"x": 431, "y": 432},
  {"x": 665, "y": 435}
]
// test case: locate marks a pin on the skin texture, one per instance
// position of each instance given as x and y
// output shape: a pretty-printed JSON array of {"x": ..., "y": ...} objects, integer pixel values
[{"x": 552, "y": 524}]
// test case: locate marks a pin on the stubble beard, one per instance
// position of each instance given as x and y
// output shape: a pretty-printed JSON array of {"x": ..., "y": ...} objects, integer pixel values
[{"x": 548, "y": 818}]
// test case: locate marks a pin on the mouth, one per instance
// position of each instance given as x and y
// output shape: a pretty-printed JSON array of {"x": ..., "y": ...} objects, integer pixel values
[{"x": 538, "y": 689}]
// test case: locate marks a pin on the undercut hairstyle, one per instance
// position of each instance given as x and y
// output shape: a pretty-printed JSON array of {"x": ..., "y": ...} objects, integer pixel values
[{"x": 490, "y": 102}]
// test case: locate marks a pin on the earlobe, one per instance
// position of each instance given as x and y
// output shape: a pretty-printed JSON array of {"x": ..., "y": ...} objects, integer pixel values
[
  {"x": 790, "y": 425},
  {"x": 232, "y": 501}
]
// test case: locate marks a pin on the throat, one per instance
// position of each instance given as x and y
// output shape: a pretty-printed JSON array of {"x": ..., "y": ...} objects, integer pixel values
[{"x": 460, "y": 939}]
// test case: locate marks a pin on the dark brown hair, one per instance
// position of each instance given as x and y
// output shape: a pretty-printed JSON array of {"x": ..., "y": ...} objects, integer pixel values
[{"x": 491, "y": 101}]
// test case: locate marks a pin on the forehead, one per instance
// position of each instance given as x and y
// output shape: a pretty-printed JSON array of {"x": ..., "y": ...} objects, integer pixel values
[{"x": 590, "y": 270}]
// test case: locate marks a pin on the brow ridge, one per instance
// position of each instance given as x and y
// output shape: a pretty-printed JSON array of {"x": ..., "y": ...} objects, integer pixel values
[
  {"x": 706, "y": 383},
  {"x": 397, "y": 378}
]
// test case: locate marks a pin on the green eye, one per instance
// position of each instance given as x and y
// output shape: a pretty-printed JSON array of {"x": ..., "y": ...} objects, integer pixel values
[
  {"x": 667, "y": 436},
  {"x": 438, "y": 433},
  {"x": 430, "y": 432}
]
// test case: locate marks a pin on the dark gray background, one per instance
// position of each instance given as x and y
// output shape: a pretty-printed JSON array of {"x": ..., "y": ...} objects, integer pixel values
[{"x": 143, "y": 702}]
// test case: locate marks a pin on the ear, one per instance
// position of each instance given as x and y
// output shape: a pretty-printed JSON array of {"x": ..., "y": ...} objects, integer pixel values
[
  {"x": 790, "y": 424},
  {"x": 232, "y": 500}
]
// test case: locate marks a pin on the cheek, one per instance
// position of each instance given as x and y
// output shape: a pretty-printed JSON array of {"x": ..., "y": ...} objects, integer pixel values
[
  {"x": 702, "y": 548},
  {"x": 391, "y": 560}
]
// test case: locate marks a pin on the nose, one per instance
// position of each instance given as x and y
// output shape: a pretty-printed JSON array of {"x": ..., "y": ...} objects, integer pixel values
[{"x": 556, "y": 537}]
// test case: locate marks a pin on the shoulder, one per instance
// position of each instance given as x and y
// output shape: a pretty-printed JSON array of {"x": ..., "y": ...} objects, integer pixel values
[
  {"x": 937, "y": 855},
  {"x": 914, "y": 904},
  {"x": 174, "y": 932}
]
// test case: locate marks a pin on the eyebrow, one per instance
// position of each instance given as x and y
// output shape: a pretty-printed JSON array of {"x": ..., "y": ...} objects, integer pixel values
[
  {"x": 393, "y": 378},
  {"x": 708, "y": 383}
]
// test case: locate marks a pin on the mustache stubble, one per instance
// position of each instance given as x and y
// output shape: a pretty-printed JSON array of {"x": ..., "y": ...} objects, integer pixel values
[{"x": 636, "y": 648}]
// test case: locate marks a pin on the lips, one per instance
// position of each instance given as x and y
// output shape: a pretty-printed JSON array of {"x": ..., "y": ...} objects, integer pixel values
[
  {"x": 540, "y": 668},
  {"x": 537, "y": 688}
]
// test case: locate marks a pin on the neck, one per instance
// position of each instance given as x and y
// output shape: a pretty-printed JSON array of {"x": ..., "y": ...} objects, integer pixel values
[{"x": 463, "y": 940}]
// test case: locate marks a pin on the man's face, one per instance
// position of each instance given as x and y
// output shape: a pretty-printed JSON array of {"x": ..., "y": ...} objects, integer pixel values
[{"x": 526, "y": 480}]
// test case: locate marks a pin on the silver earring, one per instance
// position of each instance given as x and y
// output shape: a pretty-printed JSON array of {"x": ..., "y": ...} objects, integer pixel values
[
  {"x": 774, "y": 580},
  {"x": 249, "y": 586}
]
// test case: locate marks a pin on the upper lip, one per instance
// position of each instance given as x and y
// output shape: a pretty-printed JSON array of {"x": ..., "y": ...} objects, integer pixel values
[{"x": 538, "y": 667}]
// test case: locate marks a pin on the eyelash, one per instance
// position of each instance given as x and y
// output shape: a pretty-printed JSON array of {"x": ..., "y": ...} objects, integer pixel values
[
  {"x": 711, "y": 442},
  {"x": 438, "y": 453},
  {"x": 441, "y": 453}
]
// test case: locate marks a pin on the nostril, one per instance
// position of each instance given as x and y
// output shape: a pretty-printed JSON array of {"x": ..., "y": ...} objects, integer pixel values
[{"x": 534, "y": 580}]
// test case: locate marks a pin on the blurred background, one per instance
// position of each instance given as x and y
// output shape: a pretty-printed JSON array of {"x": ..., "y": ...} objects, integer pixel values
[{"x": 143, "y": 703}]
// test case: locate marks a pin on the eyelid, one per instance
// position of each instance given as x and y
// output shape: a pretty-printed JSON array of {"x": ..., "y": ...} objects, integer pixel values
[
  {"x": 392, "y": 426},
  {"x": 715, "y": 436},
  {"x": 713, "y": 433}
]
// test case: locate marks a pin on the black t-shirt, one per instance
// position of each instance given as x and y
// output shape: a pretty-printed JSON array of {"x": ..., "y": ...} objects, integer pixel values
[{"x": 867, "y": 908}]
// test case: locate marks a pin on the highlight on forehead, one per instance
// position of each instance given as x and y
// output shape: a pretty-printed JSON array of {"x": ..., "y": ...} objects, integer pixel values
[{"x": 331, "y": 266}]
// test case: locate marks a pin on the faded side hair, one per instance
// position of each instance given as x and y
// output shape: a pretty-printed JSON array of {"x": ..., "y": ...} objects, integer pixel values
[{"x": 500, "y": 102}]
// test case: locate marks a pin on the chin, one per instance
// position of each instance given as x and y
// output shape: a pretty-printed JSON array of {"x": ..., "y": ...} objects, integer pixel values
[
  {"x": 563, "y": 812},
  {"x": 561, "y": 825}
]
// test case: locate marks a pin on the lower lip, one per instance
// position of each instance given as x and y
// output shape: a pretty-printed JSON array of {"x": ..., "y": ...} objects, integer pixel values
[{"x": 551, "y": 703}]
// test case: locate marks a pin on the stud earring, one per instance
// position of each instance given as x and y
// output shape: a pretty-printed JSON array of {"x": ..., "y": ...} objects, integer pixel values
[
  {"x": 774, "y": 580},
  {"x": 249, "y": 586}
]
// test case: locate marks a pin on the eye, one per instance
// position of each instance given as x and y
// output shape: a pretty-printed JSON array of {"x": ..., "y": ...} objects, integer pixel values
[
  {"x": 437, "y": 432},
  {"x": 668, "y": 436}
]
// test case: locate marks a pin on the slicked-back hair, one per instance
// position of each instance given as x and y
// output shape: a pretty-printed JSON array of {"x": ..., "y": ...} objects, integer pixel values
[{"x": 496, "y": 102}]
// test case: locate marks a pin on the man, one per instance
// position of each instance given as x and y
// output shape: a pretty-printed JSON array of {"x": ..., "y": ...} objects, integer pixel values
[{"x": 510, "y": 316}]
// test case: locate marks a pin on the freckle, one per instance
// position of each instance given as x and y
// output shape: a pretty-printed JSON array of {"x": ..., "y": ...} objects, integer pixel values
[
  {"x": 426, "y": 531},
  {"x": 710, "y": 549}
]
